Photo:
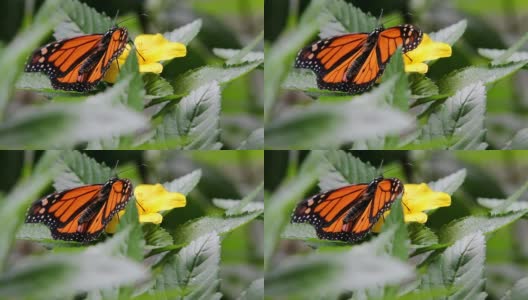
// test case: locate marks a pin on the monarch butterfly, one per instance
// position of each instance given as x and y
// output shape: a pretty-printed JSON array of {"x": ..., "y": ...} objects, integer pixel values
[
  {"x": 348, "y": 213},
  {"x": 79, "y": 63},
  {"x": 353, "y": 62},
  {"x": 80, "y": 214}
]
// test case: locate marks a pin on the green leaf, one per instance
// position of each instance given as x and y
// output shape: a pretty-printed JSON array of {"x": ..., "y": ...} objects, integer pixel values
[
  {"x": 35, "y": 232},
  {"x": 200, "y": 227},
  {"x": 450, "y": 34},
  {"x": 241, "y": 56},
  {"x": 67, "y": 124},
  {"x": 342, "y": 169},
  {"x": 519, "y": 141},
  {"x": 505, "y": 206},
  {"x": 185, "y": 184},
  {"x": 156, "y": 236},
  {"x": 251, "y": 56},
  {"x": 254, "y": 291},
  {"x": 194, "y": 120},
  {"x": 494, "y": 203},
  {"x": 329, "y": 125},
  {"x": 15, "y": 54},
  {"x": 86, "y": 20},
  {"x": 129, "y": 74},
  {"x": 399, "y": 98},
  {"x": 184, "y": 34},
  {"x": 325, "y": 275},
  {"x": 299, "y": 231},
  {"x": 323, "y": 126},
  {"x": 61, "y": 275},
  {"x": 244, "y": 205},
  {"x": 422, "y": 87},
  {"x": 279, "y": 205},
  {"x": 227, "y": 204},
  {"x": 17, "y": 201},
  {"x": 506, "y": 56},
  {"x": 460, "y": 269},
  {"x": 398, "y": 245},
  {"x": 128, "y": 241},
  {"x": 303, "y": 80},
  {"x": 41, "y": 83},
  {"x": 80, "y": 169},
  {"x": 156, "y": 85},
  {"x": 194, "y": 270},
  {"x": 450, "y": 183},
  {"x": 496, "y": 53},
  {"x": 255, "y": 141},
  {"x": 518, "y": 291},
  {"x": 279, "y": 58},
  {"x": 421, "y": 236},
  {"x": 460, "y": 120},
  {"x": 193, "y": 79},
  {"x": 344, "y": 18},
  {"x": 469, "y": 76},
  {"x": 463, "y": 227}
]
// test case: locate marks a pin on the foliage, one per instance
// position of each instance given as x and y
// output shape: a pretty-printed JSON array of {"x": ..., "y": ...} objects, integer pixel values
[
  {"x": 140, "y": 261},
  {"x": 403, "y": 111},
  {"x": 140, "y": 111},
  {"x": 417, "y": 261}
]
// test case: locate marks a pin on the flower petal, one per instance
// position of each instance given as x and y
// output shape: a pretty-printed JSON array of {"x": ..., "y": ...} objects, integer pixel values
[
  {"x": 154, "y": 198},
  {"x": 426, "y": 50},
  {"x": 419, "y": 197},
  {"x": 150, "y": 49},
  {"x": 154, "y": 48},
  {"x": 417, "y": 68},
  {"x": 150, "y": 218},
  {"x": 419, "y": 217},
  {"x": 151, "y": 68}
]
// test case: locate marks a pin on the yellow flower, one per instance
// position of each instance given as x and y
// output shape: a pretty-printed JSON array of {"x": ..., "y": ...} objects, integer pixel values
[
  {"x": 153, "y": 198},
  {"x": 150, "y": 50},
  {"x": 426, "y": 50},
  {"x": 150, "y": 200},
  {"x": 416, "y": 199}
]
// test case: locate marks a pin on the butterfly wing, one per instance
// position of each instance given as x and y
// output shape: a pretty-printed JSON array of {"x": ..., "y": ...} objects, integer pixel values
[
  {"x": 348, "y": 213},
  {"x": 387, "y": 42},
  {"x": 79, "y": 63},
  {"x": 326, "y": 211},
  {"x": 381, "y": 195},
  {"x": 80, "y": 214},
  {"x": 353, "y": 62},
  {"x": 331, "y": 59}
]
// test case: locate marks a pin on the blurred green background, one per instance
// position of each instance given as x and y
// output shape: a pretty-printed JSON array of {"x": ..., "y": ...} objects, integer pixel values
[
  {"x": 490, "y": 174},
  {"x": 491, "y": 24},
  {"x": 225, "y": 174},
  {"x": 230, "y": 24}
]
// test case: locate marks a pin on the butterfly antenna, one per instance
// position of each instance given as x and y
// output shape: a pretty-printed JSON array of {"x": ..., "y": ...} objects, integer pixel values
[
  {"x": 379, "y": 18},
  {"x": 135, "y": 48},
  {"x": 130, "y": 19},
  {"x": 140, "y": 206},
  {"x": 115, "y": 18},
  {"x": 380, "y": 167},
  {"x": 405, "y": 205},
  {"x": 115, "y": 168}
]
